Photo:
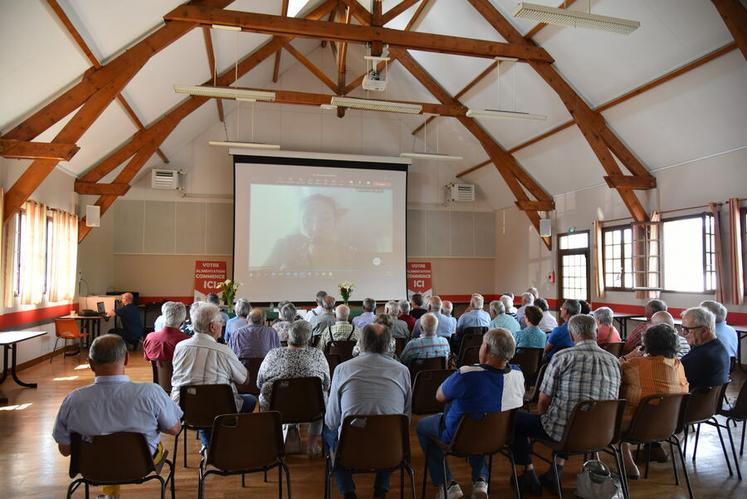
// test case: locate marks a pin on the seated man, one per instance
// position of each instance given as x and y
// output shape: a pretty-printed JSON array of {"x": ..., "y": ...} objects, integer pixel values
[
  {"x": 475, "y": 316},
  {"x": 160, "y": 321},
  {"x": 404, "y": 314},
  {"x": 708, "y": 363},
  {"x": 341, "y": 330},
  {"x": 368, "y": 315},
  {"x": 447, "y": 309},
  {"x": 531, "y": 336},
  {"x": 428, "y": 345},
  {"x": 726, "y": 334},
  {"x": 560, "y": 338},
  {"x": 159, "y": 345},
  {"x": 445, "y": 327},
  {"x": 256, "y": 339},
  {"x": 508, "y": 302},
  {"x": 113, "y": 403},
  {"x": 527, "y": 300},
  {"x": 318, "y": 310},
  {"x": 201, "y": 360},
  {"x": 548, "y": 322},
  {"x": 241, "y": 309},
  {"x": 132, "y": 324},
  {"x": 215, "y": 300},
  {"x": 582, "y": 372},
  {"x": 500, "y": 319},
  {"x": 417, "y": 306},
  {"x": 372, "y": 383},
  {"x": 319, "y": 323},
  {"x": 491, "y": 386},
  {"x": 683, "y": 347},
  {"x": 399, "y": 327},
  {"x": 633, "y": 340}
]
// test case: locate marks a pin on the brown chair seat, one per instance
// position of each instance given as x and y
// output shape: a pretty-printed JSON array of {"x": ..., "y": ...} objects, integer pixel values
[
  {"x": 399, "y": 345},
  {"x": 529, "y": 360},
  {"x": 333, "y": 360},
  {"x": 343, "y": 348},
  {"x": 252, "y": 365},
  {"x": 162, "y": 372},
  {"x": 298, "y": 400},
  {"x": 424, "y": 391},
  {"x": 469, "y": 356},
  {"x": 615, "y": 348},
  {"x": 738, "y": 413},
  {"x": 429, "y": 364}
]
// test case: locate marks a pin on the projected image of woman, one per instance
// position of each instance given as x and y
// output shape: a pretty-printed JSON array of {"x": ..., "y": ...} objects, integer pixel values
[{"x": 318, "y": 245}]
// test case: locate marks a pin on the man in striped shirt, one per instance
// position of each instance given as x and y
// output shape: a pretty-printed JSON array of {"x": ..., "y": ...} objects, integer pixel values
[{"x": 428, "y": 345}]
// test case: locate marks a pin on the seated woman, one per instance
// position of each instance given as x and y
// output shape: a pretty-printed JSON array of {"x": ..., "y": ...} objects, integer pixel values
[
  {"x": 297, "y": 360},
  {"x": 531, "y": 336},
  {"x": 606, "y": 332},
  {"x": 657, "y": 371},
  {"x": 287, "y": 316}
]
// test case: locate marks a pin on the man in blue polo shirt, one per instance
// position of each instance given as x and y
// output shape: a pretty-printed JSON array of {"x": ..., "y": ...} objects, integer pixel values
[
  {"x": 132, "y": 325},
  {"x": 491, "y": 386},
  {"x": 559, "y": 338}
]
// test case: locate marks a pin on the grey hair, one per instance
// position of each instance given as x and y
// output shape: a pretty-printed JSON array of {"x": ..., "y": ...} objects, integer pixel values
[
  {"x": 477, "y": 301},
  {"x": 342, "y": 312},
  {"x": 392, "y": 308},
  {"x": 404, "y": 306},
  {"x": 662, "y": 317},
  {"x": 195, "y": 305},
  {"x": 498, "y": 307},
  {"x": 299, "y": 333},
  {"x": 573, "y": 307},
  {"x": 206, "y": 314},
  {"x": 535, "y": 292},
  {"x": 583, "y": 326},
  {"x": 369, "y": 304},
  {"x": 657, "y": 306},
  {"x": 328, "y": 302},
  {"x": 702, "y": 316},
  {"x": 429, "y": 324},
  {"x": 373, "y": 342},
  {"x": 435, "y": 304},
  {"x": 174, "y": 313},
  {"x": 257, "y": 316},
  {"x": 320, "y": 296},
  {"x": 507, "y": 301},
  {"x": 716, "y": 309},
  {"x": 447, "y": 307},
  {"x": 288, "y": 312},
  {"x": 527, "y": 298},
  {"x": 604, "y": 315},
  {"x": 107, "y": 349},
  {"x": 501, "y": 343},
  {"x": 242, "y": 308}
]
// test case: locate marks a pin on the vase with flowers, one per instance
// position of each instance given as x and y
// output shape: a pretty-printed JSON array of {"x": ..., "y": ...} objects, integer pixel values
[
  {"x": 228, "y": 292},
  {"x": 346, "y": 289}
]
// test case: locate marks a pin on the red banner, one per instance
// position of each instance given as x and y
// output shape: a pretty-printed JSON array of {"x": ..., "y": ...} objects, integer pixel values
[
  {"x": 419, "y": 279},
  {"x": 208, "y": 277}
]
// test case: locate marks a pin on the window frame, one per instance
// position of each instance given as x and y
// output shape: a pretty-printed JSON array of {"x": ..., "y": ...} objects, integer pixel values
[
  {"x": 18, "y": 236},
  {"x": 569, "y": 252},
  {"x": 621, "y": 228},
  {"x": 743, "y": 236},
  {"x": 703, "y": 216}
]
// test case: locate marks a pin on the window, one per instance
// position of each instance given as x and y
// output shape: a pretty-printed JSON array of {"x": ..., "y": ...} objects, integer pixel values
[
  {"x": 573, "y": 262},
  {"x": 690, "y": 254},
  {"x": 618, "y": 257},
  {"x": 23, "y": 253}
]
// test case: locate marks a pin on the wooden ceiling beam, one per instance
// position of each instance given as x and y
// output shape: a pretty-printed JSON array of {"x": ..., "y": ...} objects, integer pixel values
[
  {"x": 342, "y": 15},
  {"x": 92, "y": 188},
  {"x": 358, "y": 11},
  {"x": 213, "y": 67},
  {"x": 734, "y": 14},
  {"x": 630, "y": 182},
  {"x": 315, "y": 70},
  {"x": 377, "y": 21},
  {"x": 277, "y": 25},
  {"x": 397, "y": 10},
  {"x": 535, "y": 205},
  {"x": 19, "y": 149},
  {"x": 279, "y": 53}
]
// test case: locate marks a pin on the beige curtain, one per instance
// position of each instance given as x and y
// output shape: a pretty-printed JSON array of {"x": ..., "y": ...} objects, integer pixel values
[
  {"x": 9, "y": 250},
  {"x": 735, "y": 253},
  {"x": 33, "y": 234},
  {"x": 64, "y": 256},
  {"x": 598, "y": 260},
  {"x": 720, "y": 293}
]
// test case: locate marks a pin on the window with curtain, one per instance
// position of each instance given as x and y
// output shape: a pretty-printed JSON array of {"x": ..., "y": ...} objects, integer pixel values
[
  {"x": 573, "y": 264},
  {"x": 617, "y": 250},
  {"x": 63, "y": 255},
  {"x": 690, "y": 254}
]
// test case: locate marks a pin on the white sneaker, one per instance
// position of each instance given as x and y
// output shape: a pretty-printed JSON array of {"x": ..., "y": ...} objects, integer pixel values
[
  {"x": 453, "y": 492},
  {"x": 479, "y": 490}
]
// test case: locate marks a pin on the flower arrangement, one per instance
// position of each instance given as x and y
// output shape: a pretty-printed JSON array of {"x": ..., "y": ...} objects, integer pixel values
[
  {"x": 346, "y": 289},
  {"x": 228, "y": 291}
]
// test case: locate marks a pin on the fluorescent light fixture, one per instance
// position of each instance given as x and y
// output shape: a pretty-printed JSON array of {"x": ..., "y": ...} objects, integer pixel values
[
  {"x": 244, "y": 145},
  {"x": 431, "y": 156},
  {"x": 574, "y": 18},
  {"x": 376, "y": 105},
  {"x": 376, "y": 58},
  {"x": 226, "y": 28},
  {"x": 497, "y": 113},
  {"x": 225, "y": 92}
]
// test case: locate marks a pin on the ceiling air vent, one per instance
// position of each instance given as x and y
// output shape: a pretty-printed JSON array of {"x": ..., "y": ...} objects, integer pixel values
[
  {"x": 461, "y": 192},
  {"x": 164, "y": 179}
]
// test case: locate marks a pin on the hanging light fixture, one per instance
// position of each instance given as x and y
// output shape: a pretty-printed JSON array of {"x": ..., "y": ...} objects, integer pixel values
[
  {"x": 503, "y": 113},
  {"x": 574, "y": 18}
]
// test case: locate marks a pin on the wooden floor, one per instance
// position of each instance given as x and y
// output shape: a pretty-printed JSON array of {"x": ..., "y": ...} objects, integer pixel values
[{"x": 31, "y": 466}]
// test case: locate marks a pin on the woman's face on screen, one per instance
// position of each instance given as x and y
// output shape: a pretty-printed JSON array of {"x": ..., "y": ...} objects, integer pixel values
[{"x": 319, "y": 222}]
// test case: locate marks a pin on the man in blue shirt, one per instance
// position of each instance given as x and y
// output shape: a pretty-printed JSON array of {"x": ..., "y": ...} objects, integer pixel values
[
  {"x": 368, "y": 315},
  {"x": 707, "y": 364},
  {"x": 113, "y": 404},
  {"x": 445, "y": 326},
  {"x": 132, "y": 325},
  {"x": 491, "y": 386},
  {"x": 474, "y": 316},
  {"x": 560, "y": 338},
  {"x": 725, "y": 333}
]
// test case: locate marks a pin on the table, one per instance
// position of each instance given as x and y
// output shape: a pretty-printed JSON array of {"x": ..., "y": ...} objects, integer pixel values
[
  {"x": 9, "y": 341},
  {"x": 622, "y": 319}
]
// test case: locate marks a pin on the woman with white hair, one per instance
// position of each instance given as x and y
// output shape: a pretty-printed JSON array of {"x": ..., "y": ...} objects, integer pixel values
[
  {"x": 297, "y": 360},
  {"x": 287, "y": 316},
  {"x": 160, "y": 344},
  {"x": 606, "y": 331},
  {"x": 508, "y": 302}
]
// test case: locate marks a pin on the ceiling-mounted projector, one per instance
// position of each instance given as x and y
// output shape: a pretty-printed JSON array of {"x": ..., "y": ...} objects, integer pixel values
[{"x": 374, "y": 80}]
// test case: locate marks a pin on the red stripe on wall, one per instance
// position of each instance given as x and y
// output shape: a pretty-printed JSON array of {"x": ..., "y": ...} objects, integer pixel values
[
  {"x": 15, "y": 319},
  {"x": 158, "y": 299}
]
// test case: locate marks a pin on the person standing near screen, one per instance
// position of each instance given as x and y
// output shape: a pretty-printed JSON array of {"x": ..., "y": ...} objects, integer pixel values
[{"x": 317, "y": 245}]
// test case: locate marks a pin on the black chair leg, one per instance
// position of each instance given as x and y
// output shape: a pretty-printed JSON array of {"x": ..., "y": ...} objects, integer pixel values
[
  {"x": 733, "y": 451},
  {"x": 697, "y": 438},
  {"x": 723, "y": 447},
  {"x": 557, "y": 476},
  {"x": 401, "y": 481},
  {"x": 617, "y": 454},
  {"x": 87, "y": 489},
  {"x": 186, "y": 439},
  {"x": 280, "y": 482},
  {"x": 444, "y": 485},
  {"x": 648, "y": 458},
  {"x": 676, "y": 442},
  {"x": 411, "y": 472},
  {"x": 287, "y": 480},
  {"x": 425, "y": 476},
  {"x": 243, "y": 480},
  {"x": 513, "y": 472},
  {"x": 741, "y": 446},
  {"x": 674, "y": 464},
  {"x": 163, "y": 487}
]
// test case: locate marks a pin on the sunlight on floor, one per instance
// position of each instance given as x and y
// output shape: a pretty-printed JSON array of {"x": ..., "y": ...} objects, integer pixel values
[
  {"x": 65, "y": 378},
  {"x": 82, "y": 366},
  {"x": 17, "y": 407}
]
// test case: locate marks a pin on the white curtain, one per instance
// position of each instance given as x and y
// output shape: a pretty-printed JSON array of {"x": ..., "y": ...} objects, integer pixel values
[
  {"x": 64, "y": 256},
  {"x": 32, "y": 268},
  {"x": 599, "y": 260}
]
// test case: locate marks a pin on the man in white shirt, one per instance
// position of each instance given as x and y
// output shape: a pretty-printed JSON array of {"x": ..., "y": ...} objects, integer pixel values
[
  {"x": 527, "y": 300},
  {"x": 548, "y": 322},
  {"x": 368, "y": 315},
  {"x": 318, "y": 310}
]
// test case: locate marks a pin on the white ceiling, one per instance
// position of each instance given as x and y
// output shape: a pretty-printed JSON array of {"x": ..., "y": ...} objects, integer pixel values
[{"x": 701, "y": 113}]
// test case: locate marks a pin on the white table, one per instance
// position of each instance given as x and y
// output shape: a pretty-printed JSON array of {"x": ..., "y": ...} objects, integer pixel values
[{"x": 9, "y": 340}]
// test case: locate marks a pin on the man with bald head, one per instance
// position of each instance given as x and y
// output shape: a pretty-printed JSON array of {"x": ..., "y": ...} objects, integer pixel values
[
  {"x": 341, "y": 330},
  {"x": 447, "y": 309},
  {"x": 664, "y": 317},
  {"x": 708, "y": 362},
  {"x": 445, "y": 327},
  {"x": 256, "y": 338},
  {"x": 429, "y": 344},
  {"x": 320, "y": 323},
  {"x": 634, "y": 338},
  {"x": 132, "y": 325}
]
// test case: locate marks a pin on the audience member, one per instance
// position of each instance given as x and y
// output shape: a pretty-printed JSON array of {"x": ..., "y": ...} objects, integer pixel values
[
  {"x": 490, "y": 386},
  {"x": 417, "y": 305},
  {"x": 475, "y": 316},
  {"x": 341, "y": 330},
  {"x": 428, "y": 345},
  {"x": 372, "y": 383},
  {"x": 368, "y": 315},
  {"x": 500, "y": 319},
  {"x": 256, "y": 339},
  {"x": 187, "y": 326},
  {"x": 445, "y": 328},
  {"x": 297, "y": 360},
  {"x": 582, "y": 372},
  {"x": 531, "y": 336},
  {"x": 404, "y": 314},
  {"x": 707, "y": 364},
  {"x": 160, "y": 321},
  {"x": 535, "y": 293},
  {"x": 658, "y": 371},
  {"x": 606, "y": 331},
  {"x": 159, "y": 345},
  {"x": 560, "y": 338},
  {"x": 241, "y": 308},
  {"x": 132, "y": 325},
  {"x": 634, "y": 338},
  {"x": 447, "y": 308},
  {"x": 585, "y": 307},
  {"x": 548, "y": 322},
  {"x": 318, "y": 310},
  {"x": 683, "y": 347},
  {"x": 215, "y": 300},
  {"x": 287, "y": 316},
  {"x": 508, "y": 303},
  {"x": 527, "y": 299},
  {"x": 201, "y": 360},
  {"x": 322, "y": 321},
  {"x": 399, "y": 327},
  {"x": 725, "y": 333},
  {"x": 113, "y": 404}
]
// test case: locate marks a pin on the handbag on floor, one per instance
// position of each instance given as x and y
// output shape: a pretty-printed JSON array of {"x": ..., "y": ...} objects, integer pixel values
[{"x": 597, "y": 482}]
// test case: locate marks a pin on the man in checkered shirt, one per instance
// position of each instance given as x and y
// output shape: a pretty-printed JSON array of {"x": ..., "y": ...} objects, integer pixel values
[{"x": 582, "y": 372}]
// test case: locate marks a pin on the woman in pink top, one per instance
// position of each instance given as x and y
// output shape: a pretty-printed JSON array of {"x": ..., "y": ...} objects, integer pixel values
[{"x": 606, "y": 332}]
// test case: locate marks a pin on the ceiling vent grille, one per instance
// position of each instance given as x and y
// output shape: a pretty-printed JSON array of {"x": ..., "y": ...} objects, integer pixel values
[{"x": 462, "y": 192}]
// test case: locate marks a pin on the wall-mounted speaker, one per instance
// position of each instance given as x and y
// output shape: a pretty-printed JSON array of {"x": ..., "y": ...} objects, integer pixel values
[
  {"x": 545, "y": 227},
  {"x": 93, "y": 215}
]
